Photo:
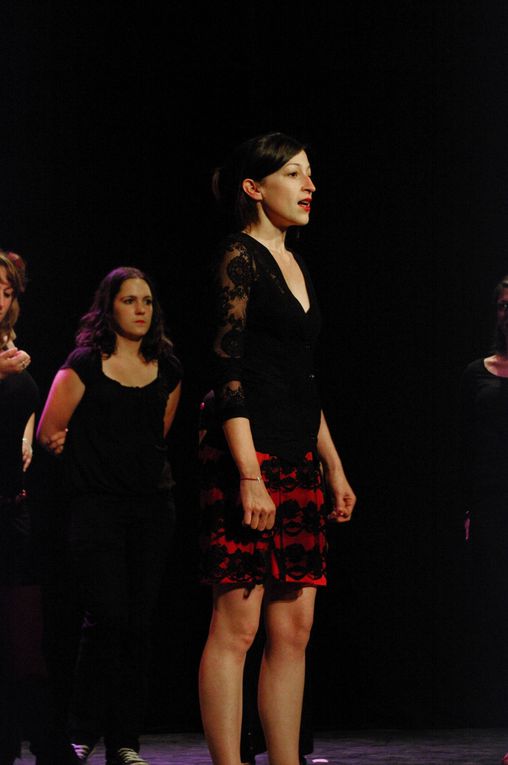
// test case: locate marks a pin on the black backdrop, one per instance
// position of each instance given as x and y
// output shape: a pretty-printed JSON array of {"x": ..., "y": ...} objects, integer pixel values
[{"x": 113, "y": 117}]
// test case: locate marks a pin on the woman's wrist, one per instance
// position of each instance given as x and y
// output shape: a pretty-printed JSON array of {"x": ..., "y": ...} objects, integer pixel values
[
  {"x": 250, "y": 478},
  {"x": 333, "y": 469}
]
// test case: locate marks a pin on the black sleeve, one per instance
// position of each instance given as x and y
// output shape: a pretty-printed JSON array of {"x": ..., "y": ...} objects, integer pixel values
[
  {"x": 85, "y": 362},
  {"x": 234, "y": 279},
  {"x": 171, "y": 371}
]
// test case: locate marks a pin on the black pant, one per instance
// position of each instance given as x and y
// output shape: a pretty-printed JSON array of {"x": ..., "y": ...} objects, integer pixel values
[
  {"x": 119, "y": 548},
  {"x": 25, "y": 693},
  {"x": 487, "y": 655},
  {"x": 26, "y": 699}
]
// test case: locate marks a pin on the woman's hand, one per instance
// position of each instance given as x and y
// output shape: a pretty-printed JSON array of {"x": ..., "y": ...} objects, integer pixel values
[
  {"x": 65, "y": 393},
  {"x": 342, "y": 496},
  {"x": 55, "y": 443},
  {"x": 13, "y": 361},
  {"x": 26, "y": 453},
  {"x": 258, "y": 507}
]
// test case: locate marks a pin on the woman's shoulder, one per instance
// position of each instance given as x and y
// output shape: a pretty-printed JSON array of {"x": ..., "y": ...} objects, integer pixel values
[
  {"x": 474, "y": 372},
  {"x": 238, "y": 257},
  {"x": 237, "y": 243},
  {"x": 84, "y": 361},
  {"x": 170, "y": 369},
  {"x": 475, "y": 366}
]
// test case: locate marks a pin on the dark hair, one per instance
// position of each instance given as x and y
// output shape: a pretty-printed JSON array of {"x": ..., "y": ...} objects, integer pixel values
[
  {"x": 15, "y": 269},
  {"x": 255, "y": 158},
  {"x": 97, "y": 327},
  {"x": 499, "y": 343}
]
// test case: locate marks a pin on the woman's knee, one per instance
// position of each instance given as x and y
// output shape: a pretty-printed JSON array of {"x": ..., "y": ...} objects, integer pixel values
[
  {"x": 236, "y": 636},
  {"x": 292, "y": 633}
]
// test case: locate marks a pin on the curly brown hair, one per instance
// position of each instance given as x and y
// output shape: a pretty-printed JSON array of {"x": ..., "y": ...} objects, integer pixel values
[{"x": 15, "y": 271}]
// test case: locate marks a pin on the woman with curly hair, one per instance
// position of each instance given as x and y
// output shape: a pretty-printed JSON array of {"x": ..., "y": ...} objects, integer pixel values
[
  {"x": 108, "y": 413},
  {"x": 26, "y": 700}
]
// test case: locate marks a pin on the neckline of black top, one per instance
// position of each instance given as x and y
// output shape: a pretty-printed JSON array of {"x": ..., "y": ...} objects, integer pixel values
[
  {"x": 279, "y": 269},
  {"x": 129, "y": 387}
]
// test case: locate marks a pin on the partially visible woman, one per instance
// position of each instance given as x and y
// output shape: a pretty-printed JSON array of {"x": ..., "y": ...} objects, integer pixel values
[
  {"x": 26, "y": 705},
  {"x": 485, "y": 487},
  {"x": 108, "y": 412},
  {"x": 264, "y": 517}
]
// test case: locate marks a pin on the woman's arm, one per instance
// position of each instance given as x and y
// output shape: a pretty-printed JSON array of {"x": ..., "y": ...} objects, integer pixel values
[
  {"x": 26, "y": 442},
  {"x": 343, "y": 497},
  {"x": 258, "y": 506},
  {"x": 235, "y": 277},
  {"x": 171, "y": 407},
  {"x": 64, "y": 396}
]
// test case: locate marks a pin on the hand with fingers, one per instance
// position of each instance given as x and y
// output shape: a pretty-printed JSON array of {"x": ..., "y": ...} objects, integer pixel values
[
  {"x": 13, "y": 361},
  {"x": 343, "y": 498},
  {"x": 55, "y": 443},
  {"x": 258, "y": 507}
]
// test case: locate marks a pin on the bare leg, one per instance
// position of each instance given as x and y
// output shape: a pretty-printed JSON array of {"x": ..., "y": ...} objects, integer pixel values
[
  {"x": 288, "y": 622},
  {"x": 235, "y": 621}
]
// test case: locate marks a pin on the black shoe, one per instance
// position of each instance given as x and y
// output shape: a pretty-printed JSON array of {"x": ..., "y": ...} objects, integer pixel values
[
  {"x": 63, "y": 754},
  {"x": 125, "y": 756},
  {"x": 58, "y": 756}
]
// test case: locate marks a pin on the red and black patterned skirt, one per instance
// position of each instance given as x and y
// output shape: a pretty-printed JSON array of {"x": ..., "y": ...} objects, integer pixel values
[{"x": 293, "y": 551}]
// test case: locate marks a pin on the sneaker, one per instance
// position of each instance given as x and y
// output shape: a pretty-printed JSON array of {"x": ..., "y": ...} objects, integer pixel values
[
  {"x": 82, "y": 751},
  {"x": 126, "y": 756}
]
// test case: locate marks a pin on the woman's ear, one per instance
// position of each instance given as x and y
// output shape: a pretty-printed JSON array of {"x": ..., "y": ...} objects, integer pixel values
[{"x": 251, "y": 188}]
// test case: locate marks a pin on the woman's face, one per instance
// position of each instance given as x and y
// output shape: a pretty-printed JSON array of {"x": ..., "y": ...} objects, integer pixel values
[
  {"x": 6, "y": 293},
  {"x": 133, "y": 309},
  {"x": 286, "y": 195}
]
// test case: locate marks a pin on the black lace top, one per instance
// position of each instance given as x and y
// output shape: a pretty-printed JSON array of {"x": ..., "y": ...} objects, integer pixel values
[{"x": 263, "y": 350}]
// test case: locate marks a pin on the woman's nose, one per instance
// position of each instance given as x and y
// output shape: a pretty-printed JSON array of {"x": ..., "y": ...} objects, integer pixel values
[{"x": 309, "y": 186}]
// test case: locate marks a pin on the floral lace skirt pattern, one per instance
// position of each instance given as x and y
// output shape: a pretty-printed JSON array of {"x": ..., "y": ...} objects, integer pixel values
[{"x": 294, "y": 551}]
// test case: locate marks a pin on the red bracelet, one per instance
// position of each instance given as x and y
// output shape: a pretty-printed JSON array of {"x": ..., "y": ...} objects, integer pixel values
[{"x": 246, "y": 478}]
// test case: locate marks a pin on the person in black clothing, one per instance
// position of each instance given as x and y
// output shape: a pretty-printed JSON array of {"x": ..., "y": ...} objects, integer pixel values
[
  {"x": 264, "y": 541},
  {"x": 26, "y": 698},
  {"x": 109, "y": 411},
  {"x": 485, "y": 490}
]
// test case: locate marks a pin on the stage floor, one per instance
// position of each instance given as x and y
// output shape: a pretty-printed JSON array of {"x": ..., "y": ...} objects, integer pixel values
[{"x": 378, "y": 747}]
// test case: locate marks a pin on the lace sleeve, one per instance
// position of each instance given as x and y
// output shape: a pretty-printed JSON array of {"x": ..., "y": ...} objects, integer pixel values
[{"x": 235, "y": 276}]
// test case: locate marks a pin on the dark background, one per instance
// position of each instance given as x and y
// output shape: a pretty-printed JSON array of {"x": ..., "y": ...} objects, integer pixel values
[{"x": 113, "y": 118}]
